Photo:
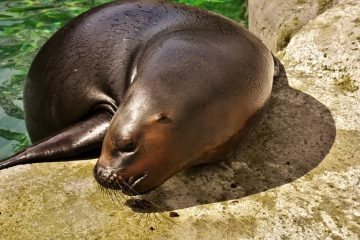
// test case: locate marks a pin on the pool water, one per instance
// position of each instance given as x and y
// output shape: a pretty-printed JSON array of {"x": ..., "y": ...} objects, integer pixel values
[{"x": 24, "y": 26}]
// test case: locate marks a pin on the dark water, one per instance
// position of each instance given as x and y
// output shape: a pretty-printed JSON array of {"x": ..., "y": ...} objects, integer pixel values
[{"x": 24, "y": 27}]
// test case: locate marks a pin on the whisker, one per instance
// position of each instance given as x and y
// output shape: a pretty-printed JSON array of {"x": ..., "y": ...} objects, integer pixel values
[
  {"x": 142, "y": 205},
  {"x": 119, "y": 185},
  {"x": 101, "y": 190},
  {"x": 114, "y": 192},
  {"x": 139, "y": 201},
  {"x": 118, "y": 193},
  {"x": 129, "y": 187},
  {"x": 157, "y": 217},
  {"x": 117, "y": 197},
  {"x": 109, "y": 193},
  {"x": 136, "y": 193}
]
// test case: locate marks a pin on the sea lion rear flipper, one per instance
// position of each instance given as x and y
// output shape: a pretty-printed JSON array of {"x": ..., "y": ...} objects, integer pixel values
[{"x": 78, "y": 138}]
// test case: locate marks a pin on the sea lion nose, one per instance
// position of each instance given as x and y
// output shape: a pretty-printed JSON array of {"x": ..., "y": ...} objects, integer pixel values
[
  {"x": 104, "y": 175},
  {"x": 100, "y": 171},
  {"x": 113, "y": 179}
]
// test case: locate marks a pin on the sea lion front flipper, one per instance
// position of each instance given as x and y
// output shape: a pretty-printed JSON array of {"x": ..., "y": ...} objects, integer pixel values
[{"x": 78, "y": 138}]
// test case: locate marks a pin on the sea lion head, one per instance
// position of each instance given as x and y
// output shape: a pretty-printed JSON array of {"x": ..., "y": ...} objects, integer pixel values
[
  {"x": 150, "y": 138},
  {"x": 175, "y": 114}
]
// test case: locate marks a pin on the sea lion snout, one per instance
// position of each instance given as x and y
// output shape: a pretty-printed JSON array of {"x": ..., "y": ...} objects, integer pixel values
[{"x": 118, "y": 179}]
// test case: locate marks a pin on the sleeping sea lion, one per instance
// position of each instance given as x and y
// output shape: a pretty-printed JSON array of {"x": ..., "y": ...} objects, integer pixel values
[{"x": 159, "y": 86}]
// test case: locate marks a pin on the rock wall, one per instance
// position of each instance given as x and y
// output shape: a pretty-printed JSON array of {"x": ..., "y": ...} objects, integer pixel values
[{"x": 276, "y": 21}]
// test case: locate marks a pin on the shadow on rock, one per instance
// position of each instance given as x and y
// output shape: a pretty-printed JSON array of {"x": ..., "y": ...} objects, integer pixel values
[{"x": 295, "y": 136}]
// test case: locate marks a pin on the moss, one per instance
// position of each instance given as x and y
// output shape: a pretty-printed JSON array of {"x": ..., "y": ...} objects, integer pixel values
[
  {"x": 267, "y": 201},
  {"x": 342, "y": 157},
  {"x": 284, "y": 37},
  {"x": 63, "y": 199},
  {"x": 336, "y": 18},
  {"x": 242, "y": 227},
  {"x": 327, "y": 67},
  {"x": 301, "y": 1},
  {"x": 296, "y": 21},
  {"x": 331, "y": 208},
  {"x": 286, "y": 31},
  {"x": 342, "y": 153},
  {"x": 357, "y": 21},
  {"x": 280, "y": 54},
  {"x": 346, "y": 84},
  {"x": 323, "y": 5}
]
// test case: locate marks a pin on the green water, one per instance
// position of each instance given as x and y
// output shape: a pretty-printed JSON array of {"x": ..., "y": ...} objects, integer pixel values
[{"x": 24, "y": 27}]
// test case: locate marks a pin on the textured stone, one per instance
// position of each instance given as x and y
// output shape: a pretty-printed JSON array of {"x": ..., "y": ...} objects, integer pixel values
[
  {"x": 276, "y": 21},
  {"x": 323, "y": 59},
  {"x": 295, "y": 177}
]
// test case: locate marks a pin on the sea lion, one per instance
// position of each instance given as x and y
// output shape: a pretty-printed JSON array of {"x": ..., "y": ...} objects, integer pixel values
[{"x": 160, "y": 86}]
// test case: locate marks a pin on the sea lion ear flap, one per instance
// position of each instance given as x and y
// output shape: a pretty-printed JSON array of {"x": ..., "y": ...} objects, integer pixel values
[{"x": 162, "y": 118}]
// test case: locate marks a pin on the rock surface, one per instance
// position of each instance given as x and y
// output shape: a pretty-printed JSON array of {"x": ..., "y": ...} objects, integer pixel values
[
  {"x": 296, "y": 176},
  {"x": 276, "y": 21}
]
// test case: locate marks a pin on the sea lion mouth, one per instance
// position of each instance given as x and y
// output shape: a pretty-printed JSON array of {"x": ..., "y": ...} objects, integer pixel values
[{"x": 117, "y": 179}]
